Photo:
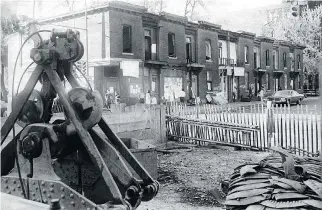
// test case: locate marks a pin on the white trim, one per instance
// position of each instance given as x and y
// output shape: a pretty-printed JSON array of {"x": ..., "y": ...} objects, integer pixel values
[
  {"x": 173, "y": 58},
  {"x": 127, "y": 53}
]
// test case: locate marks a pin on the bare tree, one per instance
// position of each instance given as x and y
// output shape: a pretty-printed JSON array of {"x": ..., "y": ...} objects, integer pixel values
[
  {"x": 70, "y": 4},
  {"x": 190, "y": 8},
  {"x": 155, "y": 6}
]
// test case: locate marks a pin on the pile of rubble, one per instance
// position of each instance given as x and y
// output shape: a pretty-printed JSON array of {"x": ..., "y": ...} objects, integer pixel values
[{"x": 280, "y": 181}]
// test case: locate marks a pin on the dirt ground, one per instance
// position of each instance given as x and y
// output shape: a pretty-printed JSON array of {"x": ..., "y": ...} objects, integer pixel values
[{"x": 188, "y": 179}]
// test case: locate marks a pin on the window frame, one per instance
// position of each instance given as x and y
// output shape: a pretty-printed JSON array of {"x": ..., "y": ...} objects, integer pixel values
[
  {"x": 267, "y": 58},
  {"x": 208, "y": 51},
  {"x": 130, "y": 38},
  {"x": 284, "y": 60},
  {"x": 275, "y": 60},
  {"x": 190, "y": 47},
  {"x": 150, "y": 38},
  {"x": 173, "y": 37},
  {"x": 209, "y": 80},
  {"x": 246, "y": 52}
]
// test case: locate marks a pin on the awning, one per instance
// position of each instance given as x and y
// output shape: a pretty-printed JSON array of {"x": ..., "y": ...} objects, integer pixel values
[
  {"x": 294, "y": 74},
  {"x": 239, "y": 71},
  {"x": 109, "y": 61},
  {"x": 278, "y": 73},
  {"x": 259, "y": 72},
  {"x": 159, "y": 63},
  {"x": 195, "y": 65}
]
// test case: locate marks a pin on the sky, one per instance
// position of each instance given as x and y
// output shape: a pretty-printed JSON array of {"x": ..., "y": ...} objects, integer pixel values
[{"x": 224, "y": 12}]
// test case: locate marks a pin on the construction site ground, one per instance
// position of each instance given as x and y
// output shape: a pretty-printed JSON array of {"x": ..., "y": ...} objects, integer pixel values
[{"x": 188, "y": 179}]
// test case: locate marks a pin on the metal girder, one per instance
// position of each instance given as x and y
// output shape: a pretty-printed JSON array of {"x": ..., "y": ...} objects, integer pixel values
[{"x": 85, "y": 136}]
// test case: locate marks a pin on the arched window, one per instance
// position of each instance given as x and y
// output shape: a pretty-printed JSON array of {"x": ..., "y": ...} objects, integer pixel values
[{"x": 208, "y": 50}]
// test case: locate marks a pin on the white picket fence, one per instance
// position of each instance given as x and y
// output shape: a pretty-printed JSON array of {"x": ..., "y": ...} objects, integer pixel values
[{"x": 296, "y": 128}]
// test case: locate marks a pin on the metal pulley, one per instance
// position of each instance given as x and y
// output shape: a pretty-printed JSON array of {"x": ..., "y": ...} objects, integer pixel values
[{"x": 87, "y": 105}]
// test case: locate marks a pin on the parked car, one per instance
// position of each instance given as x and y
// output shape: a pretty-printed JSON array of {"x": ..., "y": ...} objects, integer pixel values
[{"x": 286, "y": 97}]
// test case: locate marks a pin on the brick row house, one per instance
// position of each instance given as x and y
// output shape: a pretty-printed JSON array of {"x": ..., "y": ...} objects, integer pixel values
[{"x": 132, "y": 51}]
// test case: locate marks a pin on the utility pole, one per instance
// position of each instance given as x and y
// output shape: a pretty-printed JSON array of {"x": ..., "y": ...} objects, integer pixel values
[
  {"x": 320, "y": 85},
  {"x": 86, "y": 26}
]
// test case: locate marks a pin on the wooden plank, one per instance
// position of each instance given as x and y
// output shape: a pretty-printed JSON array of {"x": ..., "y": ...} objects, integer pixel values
[
  {"x": 319, "y": 133},
  {"x": 310, "y": 134},
  {"x": 276, "y": 128},
  {"x": 301, "y": 129}
]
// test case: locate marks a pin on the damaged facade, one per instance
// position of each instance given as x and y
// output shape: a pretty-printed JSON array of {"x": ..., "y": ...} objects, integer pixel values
[{"x": 132, "y": 51}]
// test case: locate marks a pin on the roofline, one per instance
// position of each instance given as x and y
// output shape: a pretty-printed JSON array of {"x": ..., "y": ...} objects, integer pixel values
[{"x": 113, "y": 5}]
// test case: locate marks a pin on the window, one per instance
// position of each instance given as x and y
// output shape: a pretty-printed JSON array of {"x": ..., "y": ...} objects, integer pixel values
[
  {"x": 267, "y": 57},
  {"x": 188, "y": 49},
  {"x": 209, "y": 81},
  {"x": 300, "y": 82},
  {"x": 275, "y": 59},
  {"x": 171, "y": 45},
  {"x": 284, "y": 60},
  {"x": 148, "y": 44},
  {"x": 127, "y": 39},
  {"x": 255, "y": 60},
  {"x": 285, "y": 81},
  {"x": 246, "y": 55},
  {"x": 292, "y": 61},
  {"x": 208, "y": 50},
  {"x": 268, "y": 82},
  {"x": 298, "y": 62}
]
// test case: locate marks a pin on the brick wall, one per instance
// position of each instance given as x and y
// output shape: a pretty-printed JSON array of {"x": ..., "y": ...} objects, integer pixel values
[
  {"x": 180, "y": 42},
  {"x": 284, "y": 79},
  {"x": 116, "y": 22},
  {"x": 242, "y": 42},
  {"x": 212, "y": 65},
  {"x": 267, "y": 46}
]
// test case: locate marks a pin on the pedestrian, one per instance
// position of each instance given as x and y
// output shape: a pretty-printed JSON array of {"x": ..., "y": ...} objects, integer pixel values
[
  {"x": 182, "y": 95},
  {"x": 279, "y": 87},
  {"x": 117, "y": 97},
  {"x": 148, "y": 98},
  {"x": 108, "y": 100}
]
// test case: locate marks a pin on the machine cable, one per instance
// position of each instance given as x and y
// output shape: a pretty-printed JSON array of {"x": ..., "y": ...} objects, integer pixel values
[
  {"x": 12, "y": 93},
  {"x": 23, "y": 74}
]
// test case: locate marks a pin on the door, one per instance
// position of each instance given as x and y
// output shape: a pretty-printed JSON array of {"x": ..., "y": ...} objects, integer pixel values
[
  {"x": 224, "y": 83},
  {"x": 155, "y": 86},
  {"x": 194, "y": 86}
]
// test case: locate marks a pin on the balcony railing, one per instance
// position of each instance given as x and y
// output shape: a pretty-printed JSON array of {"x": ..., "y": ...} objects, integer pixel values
[{"x": 226, "y": 62}]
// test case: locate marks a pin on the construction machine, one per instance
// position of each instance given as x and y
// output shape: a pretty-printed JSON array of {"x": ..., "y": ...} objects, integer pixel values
[{"x": 67, "y": 163}]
